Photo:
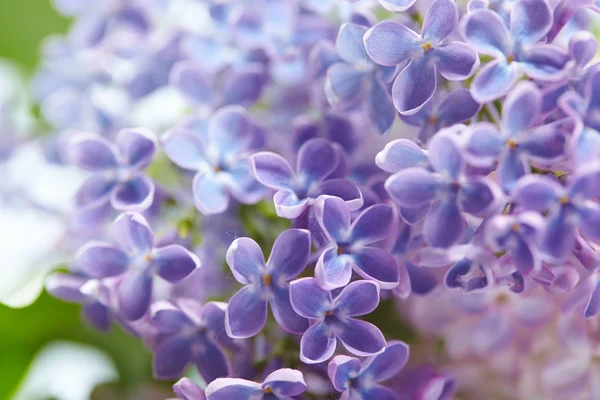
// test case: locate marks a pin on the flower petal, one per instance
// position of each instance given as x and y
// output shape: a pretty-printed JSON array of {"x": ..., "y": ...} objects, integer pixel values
[
  {"x": 283, "y": 312},
  {"x": 349, "y": 44},
  {"x": 210, "y": 359},
  {"x": 456, "y": 61},
  {"x": 287, "y": 204},
  {"x": 308, "y": 298},
  {"x": 358, "y": 298},
  {"x": 192, "y": 82},
  {"x": 244, "y": 86},
  {"x": 362, "y": 338},
  {"x": 271, "y": 170},
  {"x": 380, "y": 107},
  {"x": 134, "y": 293},
  {"x": 494, "y": 80},
  {"x": 559, "y": 237},
  {"x": 333, "y": 271},
  {"x": 444, "y": 226},
  {"x": 230, "y": 130},
  {"x": 390, "y": 43},
  {"x": 290, "y": 253},
  {"x": 444, "y": 155},
  {"x": 136, "y": 194},
  {"x": 457, "y": 107},
  {"x": 246, "y": 313},
  {"x": 137, "y": 146},
  {"x": 185, "y": 149},
  {"x": 440, "y": 21},
  {"x": 341, "y": 370},
  {"x": 399, "y": 154},
  {"x": 483, "y": 144},
  {"x": 397, "y": 5},
  {"x": 133, "y": 233},
  {"x": 345, "y": 190},
  {"x": 174, "y": 262},
  {"x": 232, "y": 388},
  {"x": 92, "y": 152},
  {"x": 387, "y": 364},
  {"x": 373, "y": 224},
  {"x": 521, "y": 108},
  {"x": 171, "y": 357},
  {"x": 210, "y": 194},
  {"x": 545, "y": 62},
  {"x": 477, "y": 196},
  {"x": 530, "y": 21},
  {"x": 317, "y": 345},
  {"x": 286, "y": 382},
  {"x": 415, "y": 86},
  {"x": 378, "y": 265},
  {"x": 101, "y": 260},
  {"x": 343, "y": 83},
  {"x": 316, "y": 160},
  {"x": 486, "y": 31},
  {"x": 412, "y": 187},
  {"x": 536, "y": 192},
  {"x": 245, "y": 259}
]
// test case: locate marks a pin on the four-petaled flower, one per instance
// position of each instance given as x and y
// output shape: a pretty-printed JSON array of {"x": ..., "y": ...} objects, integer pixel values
[
  {"x": 282, "y": 384},
  {"x": 266, "y": 283},
  {"x": 332, "y": 319}
]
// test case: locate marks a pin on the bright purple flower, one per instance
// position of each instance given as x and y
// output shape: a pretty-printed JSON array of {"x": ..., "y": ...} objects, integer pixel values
[
  {"x": 515, "y": 52},
  {"x": 444, "y": 193},
  {"x": 519, "y": 141},
  {"x": 266, "y": 283},
  {"x": 455, "y": 107},
  {"x": 356, "y": 77},
  {"x": 348, "y": 246},
  {"x": 359, "y": 381},
  {"x": 317, "y": 160},
  {"x": 569, "y": 208},
  {"x": 136, "y": 260},
  {"x": 282, "y": 384},
  {"x": 332, "y": 319},
  {"x": 218, "y": 150},
  {"x": 186, "y": 389},
  {"x": 517, "y": 234},
  {"x": 390, "y": 43},
  {"x": 189, "y": 332},
  {"x": 118, "y": 171}
]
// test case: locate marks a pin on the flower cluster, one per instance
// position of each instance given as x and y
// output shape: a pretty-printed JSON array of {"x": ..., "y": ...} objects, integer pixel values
[{"x": 375, "y": 173}]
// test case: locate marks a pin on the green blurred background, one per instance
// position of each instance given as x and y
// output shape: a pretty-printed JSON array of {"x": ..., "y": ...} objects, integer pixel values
[{"x": 24, "y": 332}]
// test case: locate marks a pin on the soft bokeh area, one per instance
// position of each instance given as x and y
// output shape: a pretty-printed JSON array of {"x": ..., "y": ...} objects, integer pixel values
[{"x": 46, "y": 352}]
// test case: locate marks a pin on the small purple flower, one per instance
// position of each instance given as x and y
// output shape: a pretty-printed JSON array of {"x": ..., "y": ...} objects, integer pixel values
[
  {"x": 455, "y": 107},
  {"x": 517, "y": 234},
  {"x": 332, "y": 319},
  {"x": 519, "y": 141},
  {"x": 565, "y": 10},
  {"x": 568, "y": 208},
  {"x": 348, "y": 245},
  {"x": 186, "y": 389},
  {"x": 390, "y": 43},
  {"x": 317, "y": 160},
  {"x": 266, "y": 283},
  {"x": 189, "y": 332},
  {"x": 136, "y": 260},
  {"x": 118, "y": 171},
  {"x": 355, "y": 78},
  {"x": 359, "y": 381},
  {"x": 514, "y": 52},
  {"x": 218, "y": 151},
  {"x": 442, "y": 195},
  {"x": 282, "y": 384}
]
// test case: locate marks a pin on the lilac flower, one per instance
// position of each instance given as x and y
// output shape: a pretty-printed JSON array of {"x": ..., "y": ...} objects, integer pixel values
[
  {"x": 568, "y": 208},
  {"x": 136, "y": 260},
  {"x": 397, "y": 5},
  {"x": 334, "y": 127},
  {"x": 218, "y": 151},
  {"x": 118, "y": 171},
  {"x": 455, "y": 107},
  {"x": 565, "y": 10},
  {"x": 519, "y": 141},
  {"x": 331, "y": 319},
  {"x": 190, "y": 333},
  {"x": 517, "y": 234},
  {"x": 585, "y": 297},
  {"x": 186, "y": 389},
  {"x": 356, "y": 76},
  {"x": 282, "y": 384},
  {"x": 348, "y": 245},
  {"x": 317, "y": 160},
  {"x": 444, "y": 193},
  {"x": 357, "y": 381},
  {"x": 266, "y": 283},
  {"x": 514, "y": 53},
  {"x": 390, "y": 43}
]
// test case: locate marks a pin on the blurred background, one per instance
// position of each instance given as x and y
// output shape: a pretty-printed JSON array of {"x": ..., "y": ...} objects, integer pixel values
[{"x": 46, "y": 350}]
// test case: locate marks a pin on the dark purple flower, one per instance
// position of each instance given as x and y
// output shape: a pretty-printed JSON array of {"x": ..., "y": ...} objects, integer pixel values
[
  {"x": 348, "y": 246},
  {"x": 118, "y": 171},
  {"x": 519, "y": 141},
  {"x": 569, "y": 208},
  {"x": 360, "y": 381},
  {"x": 390, "y": 43},
  {"x": 444, "y": 193},
  {"x": 218, "y": 150},
  {"x": 266, "y": 283},
  {"x": 189, "y": 332},
  {"x": 186, "y": 389},
  {"x": 355, "y": 77},
  {"x": 136, "y": 260},
  {"x": 332, "y": 319},
  {"x": 317, "y": 160},
  {"x": 282, "y": 384},
  {"x": 515, "y": 52}
]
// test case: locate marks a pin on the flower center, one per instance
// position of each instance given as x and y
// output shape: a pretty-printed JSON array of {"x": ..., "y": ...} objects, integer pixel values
[
  {"x": 511, "y": 144},
  {"x": 147, "y": 258},
  {"x": 267, "y": 280},
  {"x": 267, "y": 390},
  {"x": 427, "y": 46},
  {"x": 432, "y": 120},
  {"x": 563, "y": 200},
  {"x": 515, "y": 227},
  {"x": 510, "y": 59},
  {"x": 329, "y": 313}
]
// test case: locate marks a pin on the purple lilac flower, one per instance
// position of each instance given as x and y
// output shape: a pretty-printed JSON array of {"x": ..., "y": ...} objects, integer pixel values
[
  {"x": 349, "y": 247},
  {"x": 282, "y": 384},
  {"x": 355, "y": 77},
  {"x": 565, "y": 10},
  {"x": 390, "y": 43},
  {"x": 515, "y": 52},
  {"x": 186, "y": 389},
  {"x": 266, "y": 283},
  {"x": 519, "y": 141},
  {"x": 397, "y": 5},
  {"x": 218, "y": 151},
  {"x": 569, "y": 208},
  {"x": 444, "y": 193},
  {"x": 317, "y": 160},
  {"x": 136, "y": 260},
  {"x": 118, "y": 176},
  {"x": 585, "y": 297},
  {"x": 332, "y": 126},
  {"x": 189, "y": 332},
  {"x": 358, "y": 380},
  {"x": 332, "y": 319},
  {"x": 455, "y": 107}
]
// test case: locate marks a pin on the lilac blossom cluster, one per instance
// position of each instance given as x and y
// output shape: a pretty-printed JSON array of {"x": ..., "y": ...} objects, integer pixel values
[{"x": 374, "y": 173}]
